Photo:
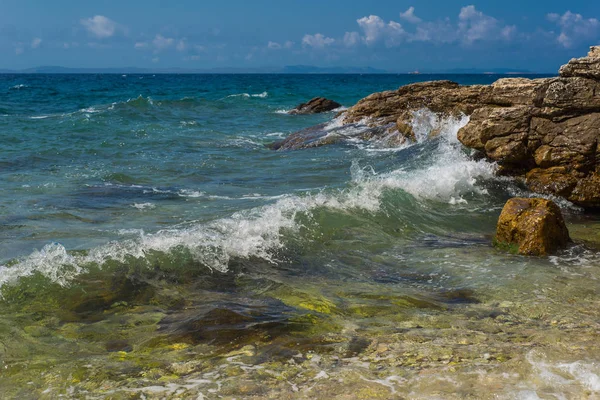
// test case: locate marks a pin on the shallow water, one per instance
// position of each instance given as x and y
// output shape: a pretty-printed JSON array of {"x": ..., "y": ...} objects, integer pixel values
[{"x": 151, "y": 246}]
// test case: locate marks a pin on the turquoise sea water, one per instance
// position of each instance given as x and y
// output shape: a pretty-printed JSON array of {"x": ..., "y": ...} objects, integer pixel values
[{"x": 151, "y": 244}]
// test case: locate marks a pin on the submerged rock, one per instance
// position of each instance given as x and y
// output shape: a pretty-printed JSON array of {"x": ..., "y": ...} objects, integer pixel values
[
  {"x": 535, "y": 226},
  {"x": 315, "y": 106}
]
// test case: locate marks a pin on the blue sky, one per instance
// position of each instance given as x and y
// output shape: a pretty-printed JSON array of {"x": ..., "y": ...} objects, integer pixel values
[{"x": 394, "y": 35}]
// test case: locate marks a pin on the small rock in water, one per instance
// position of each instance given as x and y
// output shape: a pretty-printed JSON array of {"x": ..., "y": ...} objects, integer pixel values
[
  {"x": 534, "y": 225},
  {"x": 315, "y": 106}
]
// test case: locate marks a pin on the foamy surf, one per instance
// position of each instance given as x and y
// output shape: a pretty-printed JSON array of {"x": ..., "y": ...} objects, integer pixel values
[
  {"x": 447, "y": 175},
  {"x": 249, "y": 95}
]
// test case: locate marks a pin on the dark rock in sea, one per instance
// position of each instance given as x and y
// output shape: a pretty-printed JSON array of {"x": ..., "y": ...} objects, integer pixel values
[
  {"x": 315, "y": 106},
  {"x": 532, "y": 227},
  {"x": 544, "y": 131},
  {"x": 322, "y": 134}
]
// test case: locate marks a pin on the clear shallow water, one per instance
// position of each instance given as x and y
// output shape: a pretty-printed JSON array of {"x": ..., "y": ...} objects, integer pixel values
[{"x": 152, "y": 245}]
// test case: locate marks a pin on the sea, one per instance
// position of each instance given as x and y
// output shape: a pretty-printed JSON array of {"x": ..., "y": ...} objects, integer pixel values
[{"x": 152, "y": 245}]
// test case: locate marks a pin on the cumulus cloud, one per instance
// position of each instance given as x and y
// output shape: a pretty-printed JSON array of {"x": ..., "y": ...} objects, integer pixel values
[
  {"x": 472, "y": 26},
  {"x": 181, "y": 45},
  {"x": 278, "y": 46},
  {"x": 351, "y": 39},
  {"x": 574, "y": 28},
  {"x": 274, "y": 46},
  {"x": 317, "y": 41},
  {"x": 100, "y": 26},
  {"x": 375, "y": 29},
  {"x": 35, "y": 43},
  {"x": 475, "y": 25},
  {"x": 161, "y": 43},
  {"x": 409, "y": 16}
]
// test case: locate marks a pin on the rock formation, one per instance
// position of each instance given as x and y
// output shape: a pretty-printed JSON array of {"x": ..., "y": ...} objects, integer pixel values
[
  {"x": 534, "y": 226},
  {"x": 315, "y": 106},
  {"x": 545, "y": 131}
]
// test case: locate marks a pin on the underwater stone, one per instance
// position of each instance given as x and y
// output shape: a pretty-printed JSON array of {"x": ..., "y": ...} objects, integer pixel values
[{"x": 535, "y": 225}]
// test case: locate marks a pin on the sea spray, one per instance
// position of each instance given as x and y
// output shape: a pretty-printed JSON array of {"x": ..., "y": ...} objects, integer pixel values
[{"x": 447, "y": 176}]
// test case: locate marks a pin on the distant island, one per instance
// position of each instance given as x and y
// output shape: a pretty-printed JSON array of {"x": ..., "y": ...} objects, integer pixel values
[{"x": 291, "y": 69}]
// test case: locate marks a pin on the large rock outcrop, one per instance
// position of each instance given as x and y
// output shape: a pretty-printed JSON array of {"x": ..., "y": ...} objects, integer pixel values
[
  {"x": 534, "y": 226},
  {"x": 545, "y": 131}
]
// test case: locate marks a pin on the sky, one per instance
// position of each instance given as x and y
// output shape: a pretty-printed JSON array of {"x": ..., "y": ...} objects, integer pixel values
[{"x": 398, "y": 36}]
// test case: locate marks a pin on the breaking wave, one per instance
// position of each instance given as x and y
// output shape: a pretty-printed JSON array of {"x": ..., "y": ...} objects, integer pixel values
[
  {"x": 439, "y": 171},
  {"x": 248, "y": 95}
]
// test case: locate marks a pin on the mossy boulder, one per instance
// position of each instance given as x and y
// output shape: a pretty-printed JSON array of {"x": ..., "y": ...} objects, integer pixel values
[{"x": 533, "y": 226}]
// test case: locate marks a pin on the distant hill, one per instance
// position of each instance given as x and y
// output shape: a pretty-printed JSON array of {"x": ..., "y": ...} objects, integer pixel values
[
  {"x": 294, "y": 69},
  {"x": 290, "y": 69}
]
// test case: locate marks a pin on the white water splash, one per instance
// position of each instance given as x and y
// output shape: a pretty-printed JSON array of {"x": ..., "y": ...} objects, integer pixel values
[
  {"x": 447, "y": 174},
  {"x": 248, "y": 95},
  {"x": 564, "y": 379}
]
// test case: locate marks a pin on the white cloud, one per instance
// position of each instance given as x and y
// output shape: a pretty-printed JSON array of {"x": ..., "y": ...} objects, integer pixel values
[
  {"x": 351, "y": 39},
  {"x": 100, "y": 26},
  {"x": 35, "y": 43},
  {"x": 317, "y": 41},
  {"x": 475, "y": 25},
  {"x": 181, "y": 45},
  {"x": 375, "y": 30},
  {"x": 155, "y": 60},
  {"x": 141, "y": 45},
  {"x": 409, "y": 16},
  {"x": 439, "y": 32},
  {"x": 278, "y": 46},
  {"x": 161, "y": 43},
  {"x": 19, "y": 50},
  {"x": 575, "y": 28},
  {"x": 508, "y": 32},
  {"x": 274, "y": 46}
]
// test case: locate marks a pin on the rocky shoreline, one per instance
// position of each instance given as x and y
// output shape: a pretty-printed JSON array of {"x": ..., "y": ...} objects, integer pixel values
[{"x": 544, "y": 131}]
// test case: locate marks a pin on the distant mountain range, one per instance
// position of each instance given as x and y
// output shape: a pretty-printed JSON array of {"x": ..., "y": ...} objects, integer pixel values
[{"x": 292, "y": 69}]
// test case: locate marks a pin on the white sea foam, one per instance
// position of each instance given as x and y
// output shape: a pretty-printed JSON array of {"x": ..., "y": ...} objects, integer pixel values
[
  {"x": 446, "y": 175},
  {"x": 21, "y": 86},
  {"x": 564, "y": 379},
  {"x": 248, "y": 95},
  {"x": 143, "y": 206}
]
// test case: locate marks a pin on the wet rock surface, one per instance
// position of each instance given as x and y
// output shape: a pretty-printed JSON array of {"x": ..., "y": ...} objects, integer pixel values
[
  {"x": 315, "y": 106},
  {"x": 534, "y": 226},
  {"x": 544, "y": 131}
]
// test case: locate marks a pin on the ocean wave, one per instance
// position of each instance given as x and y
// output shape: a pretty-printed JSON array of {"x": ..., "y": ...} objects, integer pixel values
[
  {"x": 248, "y": 95},
  {"x": 257, "y": 233},
  {"x": 439, "y": 171},
  {"x": 17, "y": 87},
  {"x": 144, "y": 206},
  {"x": 446, "y": 174}
]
